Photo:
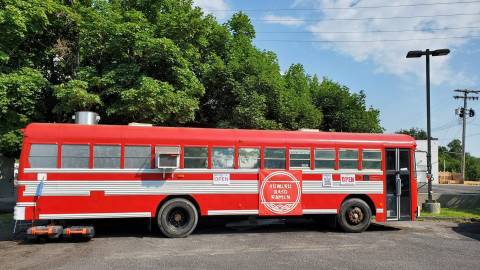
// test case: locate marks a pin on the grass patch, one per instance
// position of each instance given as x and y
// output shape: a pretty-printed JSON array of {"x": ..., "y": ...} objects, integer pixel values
[
  {"x": 455, "y": 213},
  {"x": 6, "y": 218}
]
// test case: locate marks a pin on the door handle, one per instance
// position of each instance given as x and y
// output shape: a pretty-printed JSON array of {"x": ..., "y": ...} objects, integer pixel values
[{"x": 398, "y": 184}]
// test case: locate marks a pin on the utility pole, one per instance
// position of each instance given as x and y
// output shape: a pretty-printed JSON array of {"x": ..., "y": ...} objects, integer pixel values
[{"x": 464, "y": 113}]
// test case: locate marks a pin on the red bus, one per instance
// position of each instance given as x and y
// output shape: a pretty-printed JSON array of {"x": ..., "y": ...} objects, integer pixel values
[{"x": 176, "y": 175}]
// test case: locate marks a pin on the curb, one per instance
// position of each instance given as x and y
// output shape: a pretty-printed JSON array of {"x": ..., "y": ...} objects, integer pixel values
[{"x": 448, "y": 219}]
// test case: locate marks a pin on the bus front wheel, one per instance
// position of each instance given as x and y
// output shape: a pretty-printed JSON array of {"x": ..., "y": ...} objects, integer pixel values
[
  {"x": 177, "y": 218},
  {"x": 354, "y": 216}
]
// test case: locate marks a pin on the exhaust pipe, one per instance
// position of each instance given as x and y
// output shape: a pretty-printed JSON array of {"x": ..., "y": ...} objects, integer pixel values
[{"x": 86, "y": 118}]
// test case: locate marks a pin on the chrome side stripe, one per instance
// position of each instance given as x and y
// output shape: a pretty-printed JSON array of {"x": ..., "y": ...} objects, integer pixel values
[
  {"x": 360, "y": 187},
  {"x": 320, "y": 211},
  {"x": 177, "y": 171},
  {"x": 95, "y": 215},
  {"x": 25, "y": 204},
  {"x": 231, "y": 212},
  {"x": 153, "y": 187},
  {"x": 255, "y": 212},
  {"x": 160, "y": 187}
]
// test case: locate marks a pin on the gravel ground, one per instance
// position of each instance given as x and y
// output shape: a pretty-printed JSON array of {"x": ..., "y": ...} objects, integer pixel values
[{"x": 267, "y": 244}]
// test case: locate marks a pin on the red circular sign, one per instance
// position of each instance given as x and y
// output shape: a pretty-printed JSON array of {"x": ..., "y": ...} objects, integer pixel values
[{"x": 280, "y": 192}]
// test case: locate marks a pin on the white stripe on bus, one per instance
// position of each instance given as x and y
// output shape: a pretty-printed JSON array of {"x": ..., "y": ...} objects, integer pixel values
[
  {"x": 177, "y": 171},
  {"x": 161, "y": 187},
  {"x": 95, "y": 215},
  {"x": 25, "y": 204},
  {"x": 231, "y": 212},
  {"x": 320, "y": 211}
]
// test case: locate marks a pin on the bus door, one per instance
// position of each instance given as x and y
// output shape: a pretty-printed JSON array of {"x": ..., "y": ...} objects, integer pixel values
[{"x": 398, "y": 183}]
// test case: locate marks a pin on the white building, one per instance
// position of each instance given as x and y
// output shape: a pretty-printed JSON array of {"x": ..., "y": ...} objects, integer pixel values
[{"x": 421, "y": 161}]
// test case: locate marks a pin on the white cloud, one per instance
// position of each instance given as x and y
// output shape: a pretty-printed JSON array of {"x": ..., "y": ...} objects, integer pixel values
[
  {"x": 283, "y": 20},
  {"x": 389, "y": 57},
  {"x": 219, "y": 8}
]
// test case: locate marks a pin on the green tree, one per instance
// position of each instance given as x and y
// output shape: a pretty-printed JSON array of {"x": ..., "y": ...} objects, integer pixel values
[
  {"x": 21, "y": 93},
  {"x": 417, "y": 133},
  {"x": 163, "y": 62},
  {"x": 344, "y": 111}
]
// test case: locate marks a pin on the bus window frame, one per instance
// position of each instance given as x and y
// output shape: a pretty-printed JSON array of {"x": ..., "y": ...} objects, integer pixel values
[
  {"x": 182, "y": 156},
  {"x": 105, "y": 144},
  {"x": 335, "y": 157},
  {"x": 222, "y": 146},
  {"x": 251, "y": 147},
  {"x": 309, "y": 157},
  {"x": 371, "y": 150},
  {"x": 29, "y": 148},
  {"x": 90, "y": 153},
  {"x": 152, "y": 154},
  {"x": 276, "y": 147},
  {"x": 358, "y": 149}
]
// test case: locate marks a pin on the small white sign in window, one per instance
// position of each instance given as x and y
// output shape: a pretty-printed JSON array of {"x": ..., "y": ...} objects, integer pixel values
[
  {"x": 327, "y": 179},
  {"x": 221, "y": 179},
  {"x": 347, "y": 179}
]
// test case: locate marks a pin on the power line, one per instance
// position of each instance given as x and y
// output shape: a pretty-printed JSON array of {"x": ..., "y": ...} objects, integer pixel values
[
  {"x": 345, "y": 8},
  {"x": 369, "y": 31},
  {"x": 365, "y": 19},
  {"x": 363, "y": 41}
]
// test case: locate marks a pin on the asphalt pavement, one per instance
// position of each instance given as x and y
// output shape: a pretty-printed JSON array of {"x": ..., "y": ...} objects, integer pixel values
[
  {"x": 451, "y": 189},
  {"x": 267, "y": 244}
]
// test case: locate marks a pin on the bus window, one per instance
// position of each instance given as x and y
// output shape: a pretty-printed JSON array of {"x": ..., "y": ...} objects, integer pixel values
[
  {"x": 324, "y": 159},
  {"x": 249, "y": 158},
  {"x": 75, "y": 155},
  {"x": 299, "y": 158},
  {"x": 348, "y": 159},
  {"x": 372, "y": 159},
  {"x": 43, "y": 156},
  {"x": 168, "y": 157},
  {"x": 274, "y": 158},
  {"x": 137, "y": 157},
  {"x": 106, "y": 156},
  {"x": 195, "y": 157},
  {"x": 222, "y": 158}
]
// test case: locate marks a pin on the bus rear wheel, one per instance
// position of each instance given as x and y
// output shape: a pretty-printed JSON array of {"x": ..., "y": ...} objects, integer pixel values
[
  {"x": 177, "y": 218},
  {"x": 354, "y": 216}
]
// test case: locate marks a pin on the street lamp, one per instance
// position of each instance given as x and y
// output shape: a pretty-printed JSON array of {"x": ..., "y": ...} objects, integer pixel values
[{"x": 427, "y": 53}]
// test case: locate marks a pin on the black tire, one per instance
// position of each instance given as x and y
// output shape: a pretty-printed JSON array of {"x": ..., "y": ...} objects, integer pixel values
[
  {"x": 354, "y": 216},
  {"x": 177, "y": 218}
]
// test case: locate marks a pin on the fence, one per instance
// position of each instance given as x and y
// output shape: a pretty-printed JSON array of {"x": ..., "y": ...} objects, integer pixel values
[{"x": 450, "y": 178}]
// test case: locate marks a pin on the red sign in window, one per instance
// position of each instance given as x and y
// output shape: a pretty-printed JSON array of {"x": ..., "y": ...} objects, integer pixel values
[{"x": 280, "y": 193}]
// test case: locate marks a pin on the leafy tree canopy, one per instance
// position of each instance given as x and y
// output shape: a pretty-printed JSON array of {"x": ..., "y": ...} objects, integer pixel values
[
  {"x": 417, "y": 133},
  {"x": 450, "y": 156},
  {"x": 158, "y": 61}
]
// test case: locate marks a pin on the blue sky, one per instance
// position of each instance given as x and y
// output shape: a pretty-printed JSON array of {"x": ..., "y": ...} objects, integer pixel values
[{"x": 393, "y": 84}]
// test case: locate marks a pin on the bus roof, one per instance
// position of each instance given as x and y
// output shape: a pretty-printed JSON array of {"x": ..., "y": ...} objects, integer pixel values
[{"x": 75, "y": 133}]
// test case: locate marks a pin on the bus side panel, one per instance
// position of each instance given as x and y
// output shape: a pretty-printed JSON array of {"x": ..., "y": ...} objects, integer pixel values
[
  {"x": 97, "y": 203},
  {"x": 227, "y": 203}
]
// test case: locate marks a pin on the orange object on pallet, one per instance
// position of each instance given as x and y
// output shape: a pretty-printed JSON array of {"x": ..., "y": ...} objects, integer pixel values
[
  {"x": 79, "y": 231},
  {"x": 51, "y": 231}
]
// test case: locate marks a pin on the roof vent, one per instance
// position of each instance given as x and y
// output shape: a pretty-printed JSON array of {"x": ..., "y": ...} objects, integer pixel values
[
  {"x": 309, "y": 130},
  {"x": 86, "y": 118},
  {"x": 140, "y": 124}
]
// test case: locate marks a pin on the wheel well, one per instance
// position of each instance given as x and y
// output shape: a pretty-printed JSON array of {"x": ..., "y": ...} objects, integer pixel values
[
  {"x": 365, "y": 198},
  {"x": 187, "y": 197}
]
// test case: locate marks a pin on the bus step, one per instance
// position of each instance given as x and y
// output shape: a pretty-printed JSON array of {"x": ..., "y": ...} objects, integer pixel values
[
  {"x": 85, "y": 232},
  {"x": 50, "y": 231}
]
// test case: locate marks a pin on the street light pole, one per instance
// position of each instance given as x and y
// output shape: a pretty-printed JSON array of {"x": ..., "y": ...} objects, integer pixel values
[
  {"x": 429, "y": 130},
  {"x": 427, "y": 53}
]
